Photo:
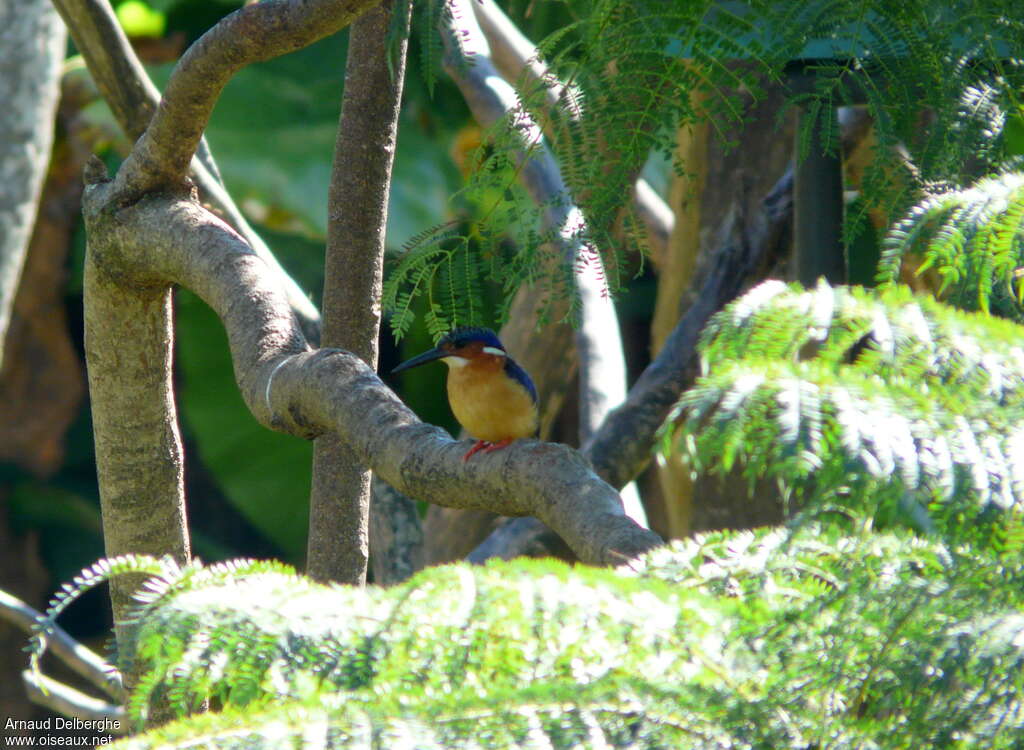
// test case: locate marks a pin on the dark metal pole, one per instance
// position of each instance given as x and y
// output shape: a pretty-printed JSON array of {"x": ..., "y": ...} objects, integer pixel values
[{"x": 818, "y": 209}]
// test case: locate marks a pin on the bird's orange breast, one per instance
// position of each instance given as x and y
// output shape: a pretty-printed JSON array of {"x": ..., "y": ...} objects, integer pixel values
[{"x": 489, "y": 404}]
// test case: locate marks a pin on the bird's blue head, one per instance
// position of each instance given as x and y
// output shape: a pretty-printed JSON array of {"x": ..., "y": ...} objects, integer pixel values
[
  {"x": 467, "y": 338},
  {"x": 459, "y": 346}
]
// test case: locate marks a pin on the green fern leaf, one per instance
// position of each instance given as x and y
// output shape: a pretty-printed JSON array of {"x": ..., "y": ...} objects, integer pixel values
[{"x": 842, "y": 393}]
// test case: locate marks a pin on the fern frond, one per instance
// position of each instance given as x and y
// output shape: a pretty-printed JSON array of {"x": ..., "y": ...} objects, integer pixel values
[
  {"x": 937, "y": 80},
  {"x": 973, "y": 238},
  {"x": 427, "y": 19},
  {"x": 255, "y": 635},
  {"x": 844, "y": 395},
  {"x": 159, "y": 572},
  {"x": 414, "y": 273},
  {"x": 767, "y": 638}
]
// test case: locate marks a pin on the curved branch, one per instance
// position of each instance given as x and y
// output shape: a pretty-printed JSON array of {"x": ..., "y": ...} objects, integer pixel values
[
  {"x": 165, "y": 240},
  {"x": 78, "y": 658},
  {"x": 133, "y": 98},
  {"x": 65, "y": 700},
  {"x": 118, "y": 73},
  {"x": 251, "y": 34},
  {"x": 621, "y": 448}
]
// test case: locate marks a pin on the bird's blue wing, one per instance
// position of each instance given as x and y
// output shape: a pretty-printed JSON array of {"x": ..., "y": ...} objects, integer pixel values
[{"x": 520, "y": 375}]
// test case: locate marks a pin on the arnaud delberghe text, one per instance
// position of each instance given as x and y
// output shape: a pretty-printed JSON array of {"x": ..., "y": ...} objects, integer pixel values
[{"x": 59, "y": 723}]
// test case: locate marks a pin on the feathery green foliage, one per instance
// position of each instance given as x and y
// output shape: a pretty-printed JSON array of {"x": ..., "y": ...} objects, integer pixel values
[
  {"x": 428, "y": 15},
  {"x": 768, "y": 639},
  {"x": 874, "y": 640},
  {"x": 938, "y": 79},
  {"x": 399, "y": 28},
  {"x": 885, "y": 404},
  {"x": 973, "y": 239}
]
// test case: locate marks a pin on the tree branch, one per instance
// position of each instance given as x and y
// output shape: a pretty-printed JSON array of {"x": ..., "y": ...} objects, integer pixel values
[
  {"x": 741, "y": 251},
  {"x": 133, "y": 98},
  {"x": 251, "y": 34},
  {"x": 166, "y": 240},
  {"x": 65, "y": 700},
  {"x": 30, "y": 58},
  {"x": 519, "y": 537},
  {"x": 396, "y": 535},
  {"x": 338, "y": 545},
  {"x": 78, "y": 658},
  {"x": 622, "y": 447},
  {"x": 118, "y": 74}
]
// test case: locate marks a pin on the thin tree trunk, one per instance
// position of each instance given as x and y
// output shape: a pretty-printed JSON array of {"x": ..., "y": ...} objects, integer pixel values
[
  {"x": 42, "y": 380},
  {"x": 358, "y": 202},
  {"x": 31, "y": 51},
  {"x": 673, "y": 504},
  {"x": 139, "y": 461}
]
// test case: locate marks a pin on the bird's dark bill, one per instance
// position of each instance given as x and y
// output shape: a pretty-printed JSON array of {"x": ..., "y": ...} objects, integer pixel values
[{"x": 421, "y": 359}]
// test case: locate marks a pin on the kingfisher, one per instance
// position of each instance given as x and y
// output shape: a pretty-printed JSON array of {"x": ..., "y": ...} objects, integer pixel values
[{"x": 490, "y": 394}]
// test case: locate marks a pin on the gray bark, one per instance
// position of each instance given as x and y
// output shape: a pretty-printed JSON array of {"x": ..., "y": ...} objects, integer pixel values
[
  {"x": 31, "y": 51},
  {"x": 339, "y": 511}
]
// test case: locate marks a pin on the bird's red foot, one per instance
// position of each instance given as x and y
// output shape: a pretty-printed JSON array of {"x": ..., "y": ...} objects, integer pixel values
[
  {"x": 484, "y": 446},
  {"x": 479, "y": 445}
]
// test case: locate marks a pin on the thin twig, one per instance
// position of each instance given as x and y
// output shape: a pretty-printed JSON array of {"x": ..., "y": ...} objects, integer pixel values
[
  {"x": 65, "y": 700},
  {"x": 78, "y": 658}
]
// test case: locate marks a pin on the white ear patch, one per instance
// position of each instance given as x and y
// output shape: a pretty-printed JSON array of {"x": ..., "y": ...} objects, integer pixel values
[
  {"x": 454, "y": 361},
  {"x": 493, "y": 350}
]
